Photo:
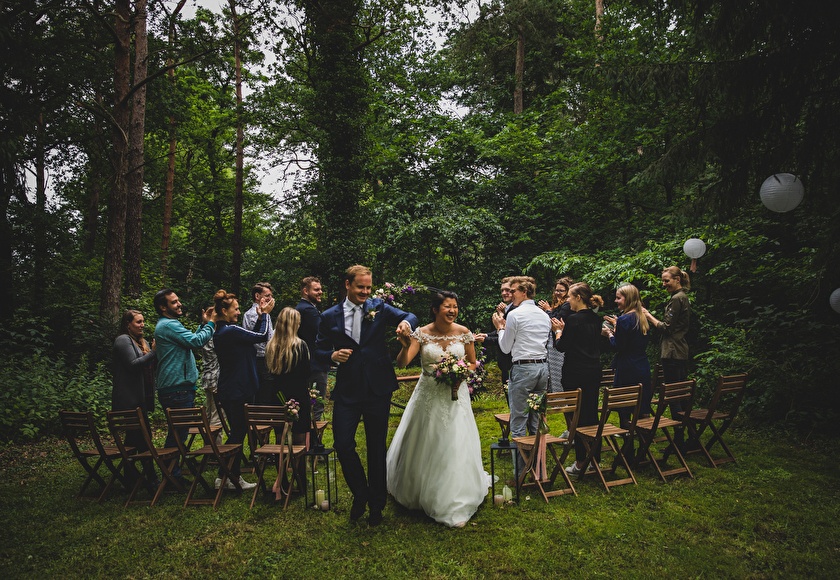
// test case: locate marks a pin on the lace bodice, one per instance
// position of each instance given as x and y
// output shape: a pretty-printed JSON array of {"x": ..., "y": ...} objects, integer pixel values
[{"x": 432, "y": 346}]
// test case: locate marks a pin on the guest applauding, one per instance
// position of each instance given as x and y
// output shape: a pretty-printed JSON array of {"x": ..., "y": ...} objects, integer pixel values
[
  {"x": 628, "y": 334},
  {"x": 560, "y": 309},
  {"x": 238, "y": 379},
  {"x": 579, "y": 336},
  {"x": 133, "y": 369}
]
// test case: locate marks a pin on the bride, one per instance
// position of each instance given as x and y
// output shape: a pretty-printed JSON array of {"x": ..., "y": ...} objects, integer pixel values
[{"x": 434, "y": 461}]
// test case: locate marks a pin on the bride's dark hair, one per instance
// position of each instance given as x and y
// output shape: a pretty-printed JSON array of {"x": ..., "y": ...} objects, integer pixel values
[{"x": 438, "y": 298}]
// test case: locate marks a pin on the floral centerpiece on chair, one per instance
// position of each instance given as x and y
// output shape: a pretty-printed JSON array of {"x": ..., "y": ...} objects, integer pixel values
[
  {"x": 451, "y": 370},
  {"x": 537, "y": 402}
]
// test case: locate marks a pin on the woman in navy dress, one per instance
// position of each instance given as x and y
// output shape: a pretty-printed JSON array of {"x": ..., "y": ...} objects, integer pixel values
[
  {"x": 238, "y": 380},
  {"x": 630, "y": 338}
]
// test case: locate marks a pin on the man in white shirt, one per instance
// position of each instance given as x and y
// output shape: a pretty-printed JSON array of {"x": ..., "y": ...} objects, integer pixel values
[{"x": 524, "y": 334}]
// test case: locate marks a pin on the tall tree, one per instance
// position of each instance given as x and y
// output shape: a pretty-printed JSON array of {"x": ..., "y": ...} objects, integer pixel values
[
  {"x": 112, "y": 271},
  {"x": 136, "y": 161}
]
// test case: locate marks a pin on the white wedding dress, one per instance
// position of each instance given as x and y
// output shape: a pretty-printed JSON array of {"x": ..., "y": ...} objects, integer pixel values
[{"x": 434, "y": 461}]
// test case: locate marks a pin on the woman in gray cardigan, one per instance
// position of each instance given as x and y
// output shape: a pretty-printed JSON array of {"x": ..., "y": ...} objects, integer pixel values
[{"x": 133, "y": 368}]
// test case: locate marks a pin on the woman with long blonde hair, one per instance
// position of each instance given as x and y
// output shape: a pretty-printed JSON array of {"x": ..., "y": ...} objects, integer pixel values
[
  {"x": 629, "y": 334},
  {"x": 287, "y": 361}
]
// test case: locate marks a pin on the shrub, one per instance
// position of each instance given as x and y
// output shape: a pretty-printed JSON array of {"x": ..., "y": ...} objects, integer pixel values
[{"x": 33, "y": 389}]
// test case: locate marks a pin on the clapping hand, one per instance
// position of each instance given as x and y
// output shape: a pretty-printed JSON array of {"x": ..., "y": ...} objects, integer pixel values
[
  {"x": 500, "y": 307},
  {"x": 544, "y": 305},
  {"x": 208, "y": 315},
  {"x": 266, "y": 305},
  {"x": 557, "y": 324}
]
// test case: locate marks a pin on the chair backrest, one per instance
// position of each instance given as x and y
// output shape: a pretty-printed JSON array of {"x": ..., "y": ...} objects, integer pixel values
[
  {"x": 607, "y": 377},
  {"x": 618, "y": 398},
  {"x": 567, "y": 403},
  {"x": 668, "y": 393},
  {"x": 657, "y": 377},
  {"x": 78, "y": 425},
  {"x": 181, "y": 420},
  {"x": 120, "y": 423},
  {"x": 260, "y": 419},
  {"x": 728, "y": 394}
]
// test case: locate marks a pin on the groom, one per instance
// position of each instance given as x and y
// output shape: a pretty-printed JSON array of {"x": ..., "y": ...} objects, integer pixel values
[{"x": 352, "y": 335}]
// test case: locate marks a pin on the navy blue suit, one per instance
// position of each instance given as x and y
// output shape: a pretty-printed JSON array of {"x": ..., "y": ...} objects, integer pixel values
[{"x": 363, "y": 387}]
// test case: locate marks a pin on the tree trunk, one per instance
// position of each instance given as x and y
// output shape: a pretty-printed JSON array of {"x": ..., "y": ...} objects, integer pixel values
[
  {"x": 519, "y": 72},
  {"x": 134, "y": 180},
  {"x": 238, "y": 202},
  {"x": 599, "y": 15},
  {"x": 173, "y": 147},
  {"x": 340, "y": 111},
  {"x": 112, "y": 270}
]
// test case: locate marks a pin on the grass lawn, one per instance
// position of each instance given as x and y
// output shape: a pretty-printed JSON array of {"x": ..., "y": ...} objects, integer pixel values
[{"x": 775, "y": 513}]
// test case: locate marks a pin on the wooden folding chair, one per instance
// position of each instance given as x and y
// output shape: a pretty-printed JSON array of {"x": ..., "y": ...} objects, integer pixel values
[
  {"x": 592, "y": 437},
  {"x": 120, "y": 424},
  {"x": 504, "y": 424},
  {"x": 717, "y": 417},
  {"x": 288, "y": 455},
  {"x": 197, "y": 460},
  {"x": 80, "y": 427},
  {"x": 216, "y": 430},
  {"x": 566, "y": 403},
  {"x": 668, "y": 393}
]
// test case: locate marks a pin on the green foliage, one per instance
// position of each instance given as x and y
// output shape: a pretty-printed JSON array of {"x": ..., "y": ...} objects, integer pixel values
[{"x": 34, "y": 389}]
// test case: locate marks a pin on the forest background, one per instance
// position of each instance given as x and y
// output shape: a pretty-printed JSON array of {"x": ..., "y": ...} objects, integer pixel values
[{"x": 441, "y": 143}]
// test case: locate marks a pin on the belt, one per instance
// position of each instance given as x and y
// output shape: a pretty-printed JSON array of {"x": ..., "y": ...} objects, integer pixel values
[{"x": 529, "y": 361}]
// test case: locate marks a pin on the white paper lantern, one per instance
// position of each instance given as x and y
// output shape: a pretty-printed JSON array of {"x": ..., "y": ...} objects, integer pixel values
[
  {"x": 834, "y": 300},
  {"x": 782, "y": 192},
  {"x": 694, "y": 248}
]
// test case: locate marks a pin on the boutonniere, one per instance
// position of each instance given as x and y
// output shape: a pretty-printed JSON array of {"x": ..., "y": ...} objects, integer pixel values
[{"x": 370, "y": 316}]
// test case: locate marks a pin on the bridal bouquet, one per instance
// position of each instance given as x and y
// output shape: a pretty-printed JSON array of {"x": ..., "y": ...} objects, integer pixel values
[
  {"x": 451, "y": 371},
  {"x": 537, "y": 402}
]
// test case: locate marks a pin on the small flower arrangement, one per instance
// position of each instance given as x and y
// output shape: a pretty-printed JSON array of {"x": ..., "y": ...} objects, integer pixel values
[
  {"x": 451, "y": 371},
  {"x": 475, "y": 382},
  {"x": 292, "y": 410},
  {"x": 315, "y": 397},
  {"x": 537, "y": 402},
  {"x": 389, "y": 293}
]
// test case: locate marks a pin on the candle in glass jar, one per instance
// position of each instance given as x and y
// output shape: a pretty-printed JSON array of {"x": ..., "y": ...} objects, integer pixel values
[
  {"x": 320, "y": 496},
  {"x": 498, "y": 499},
  {"x": 325, "y": 506}
]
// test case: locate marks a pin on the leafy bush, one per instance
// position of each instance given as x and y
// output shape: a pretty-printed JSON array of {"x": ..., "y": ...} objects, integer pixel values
[{"x": 33, "y": 389}]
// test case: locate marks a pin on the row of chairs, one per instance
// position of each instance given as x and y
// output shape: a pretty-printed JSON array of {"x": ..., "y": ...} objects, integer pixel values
[
  {"x": 619, "y": 440},
  {"x": 135, "y": 469}
]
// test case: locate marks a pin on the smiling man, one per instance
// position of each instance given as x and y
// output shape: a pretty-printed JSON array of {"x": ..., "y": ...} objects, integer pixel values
[
  {"x": 352, "y": 335},
  {"x": 176, "y": 371}
]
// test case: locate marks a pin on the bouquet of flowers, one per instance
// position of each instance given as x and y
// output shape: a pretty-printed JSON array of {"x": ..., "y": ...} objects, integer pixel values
[
  {"x": 292, "y": 407},
  {"x": 537, "y": 402},
  {"x": 292, "y": 410},
  {"x": 475, "y": 382},
  {"x": 315, "y": 397},
  {"x": 451, "y": 371}
]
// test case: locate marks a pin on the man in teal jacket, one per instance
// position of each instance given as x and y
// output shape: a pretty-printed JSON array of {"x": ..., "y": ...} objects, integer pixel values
[{"x": 174, "y": 344}]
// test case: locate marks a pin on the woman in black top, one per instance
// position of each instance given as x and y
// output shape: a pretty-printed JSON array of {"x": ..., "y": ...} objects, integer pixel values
[
  {"x": 287, "y": 360},
  {"x": 579, "y": 337}
]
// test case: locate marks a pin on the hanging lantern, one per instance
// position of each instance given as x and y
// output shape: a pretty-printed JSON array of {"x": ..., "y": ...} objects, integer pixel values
[
  {"x": 782, "y": 192},
  {"x": 834, "y": 300},
  {"x": 694, "y": 248}
]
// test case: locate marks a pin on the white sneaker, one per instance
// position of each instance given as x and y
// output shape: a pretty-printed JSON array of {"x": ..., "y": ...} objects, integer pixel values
[
  {"x": 573, "y": 469},
  {"x": 229, "y": 485}
]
